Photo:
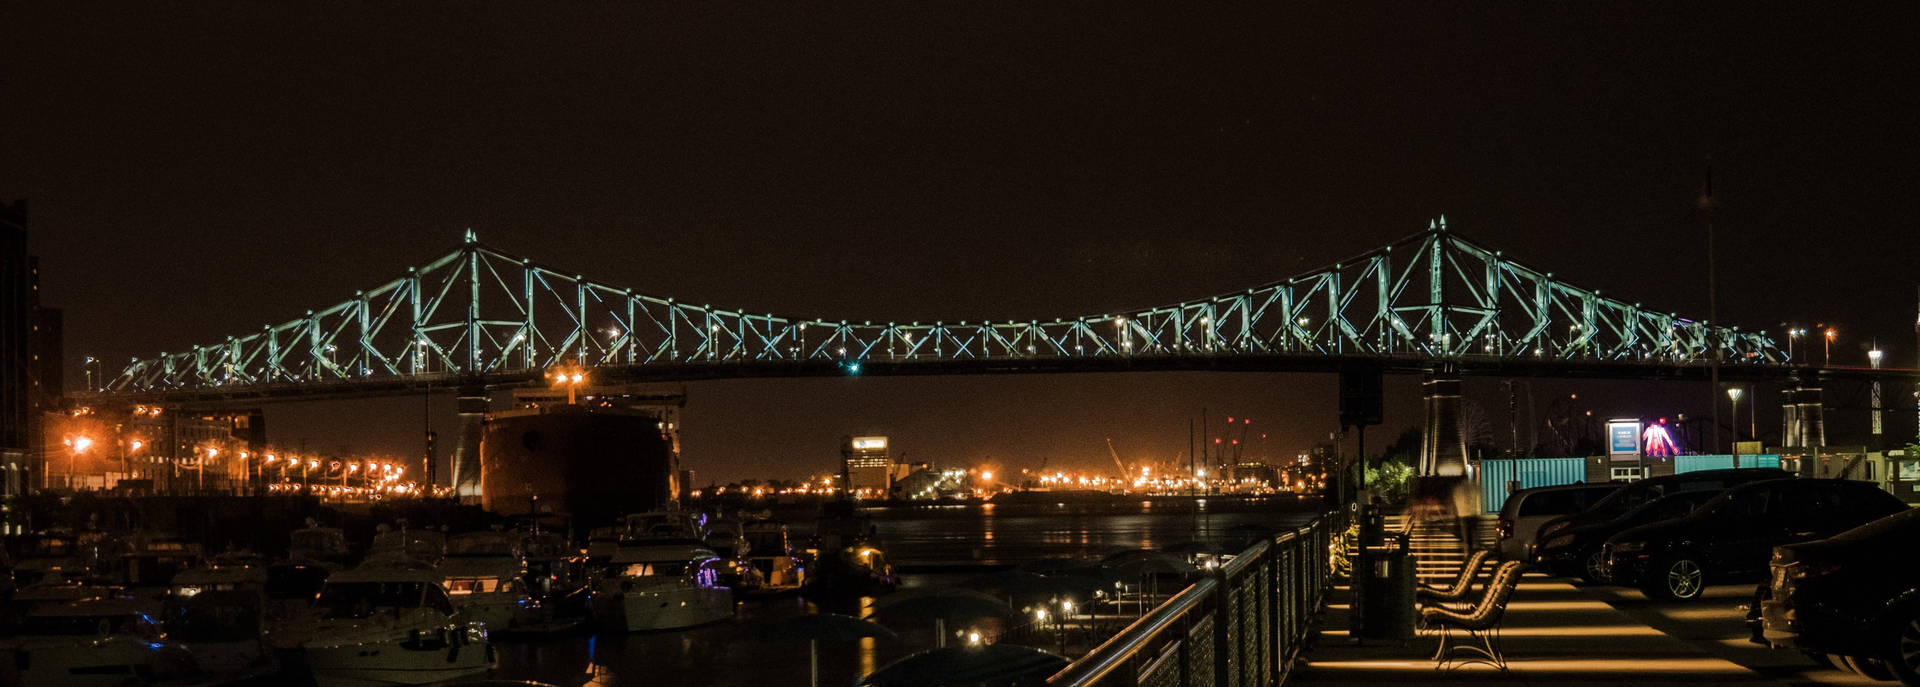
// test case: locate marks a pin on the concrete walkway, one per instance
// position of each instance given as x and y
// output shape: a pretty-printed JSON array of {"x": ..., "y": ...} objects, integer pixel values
[{"x": 1561, "y": 634}]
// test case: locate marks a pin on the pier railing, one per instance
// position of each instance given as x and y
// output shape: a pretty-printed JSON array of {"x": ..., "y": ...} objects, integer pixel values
[{"x": 1240, "y": 625}]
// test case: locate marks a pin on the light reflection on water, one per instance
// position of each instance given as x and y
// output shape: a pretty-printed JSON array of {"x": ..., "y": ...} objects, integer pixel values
[{"x": 952, "y": 543}]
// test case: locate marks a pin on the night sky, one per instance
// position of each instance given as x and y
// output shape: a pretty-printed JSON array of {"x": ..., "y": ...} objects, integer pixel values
[{"x": 198, "y": 170}]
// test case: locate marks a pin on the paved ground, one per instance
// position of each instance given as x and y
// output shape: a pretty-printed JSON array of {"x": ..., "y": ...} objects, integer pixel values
[{"x": 1561, "y": 632}]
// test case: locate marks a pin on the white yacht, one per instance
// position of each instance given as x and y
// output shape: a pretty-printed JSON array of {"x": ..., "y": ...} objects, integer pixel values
[
  {"x": 662, "y": 584},
  {"x": 391, "y": 624},
  {"x": 110, "y": 642},
  {"x": 485, "y": 573}
]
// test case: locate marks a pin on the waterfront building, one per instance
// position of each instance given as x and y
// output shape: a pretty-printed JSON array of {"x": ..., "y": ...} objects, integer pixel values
[
  {"x": 30, "y": 359},
  {"x": 868, "y": 466}
]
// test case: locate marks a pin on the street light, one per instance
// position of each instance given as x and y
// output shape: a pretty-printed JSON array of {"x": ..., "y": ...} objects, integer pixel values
[
  {"x": 571, "y": 379},
  {"x": 79, "y": 445},
  {"x": 1733, "y": 393},
  {"x": 1879, "y": 424},
  {"x": 1828, "y": 354}
]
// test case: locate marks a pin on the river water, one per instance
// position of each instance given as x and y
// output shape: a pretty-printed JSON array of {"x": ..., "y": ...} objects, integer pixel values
[{"x": 933, "y": 546}]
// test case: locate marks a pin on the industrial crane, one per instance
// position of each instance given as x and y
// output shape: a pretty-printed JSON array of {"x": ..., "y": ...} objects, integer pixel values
[{"x": 1116, "y": 459}]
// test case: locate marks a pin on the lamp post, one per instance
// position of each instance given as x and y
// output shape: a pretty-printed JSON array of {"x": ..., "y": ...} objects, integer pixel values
[
  {"x": 571, "y": 379},
  {"x": 80, "y": 445},
  {"x": 1873, "y": 359},
  {"x": 1827, "y": 353},
  {"x": 1733, "y": 393}
]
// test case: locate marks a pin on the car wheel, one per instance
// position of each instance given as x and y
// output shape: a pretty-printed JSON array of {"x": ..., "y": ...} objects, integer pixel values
[
  {"x": 1870, "y": 668},
  {"x": 1677, "y": 579},
  {"x": 1593, "y": 567},
  {"x": 1905, "y": 660}
]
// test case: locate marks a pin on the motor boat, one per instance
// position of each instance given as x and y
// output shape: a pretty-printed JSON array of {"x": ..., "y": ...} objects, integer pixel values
[
  {"x": 292, "y": 588},
  {"x": 662, "y": 584},
  {"x": 110, "y": 642},
  {"x": 428, "y": 546},
  {"x": 147, "y": 566},
  {"x": 219, "y": 612},
  {"x": 314, "y": 544},
  {"x": 847, "y": 558},
  {"x": 602, "y": 542},
  {"x": 390, "y": 623},
  {"x": 729, "y": 541},
  {"x": 485, "y": 574},
  {"x": 54, "y": 588},
  {"x": 557, "y": 578},
  {"x": 770, "y": 554},
  {"x": 663, "y": 525}
]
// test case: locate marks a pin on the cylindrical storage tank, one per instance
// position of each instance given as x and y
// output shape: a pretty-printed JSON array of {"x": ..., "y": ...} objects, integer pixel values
[{"x": 593, "y": 465}]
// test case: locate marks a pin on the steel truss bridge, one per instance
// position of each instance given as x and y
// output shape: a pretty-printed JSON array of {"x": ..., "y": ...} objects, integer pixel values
[{"x": 479, "y": 316}]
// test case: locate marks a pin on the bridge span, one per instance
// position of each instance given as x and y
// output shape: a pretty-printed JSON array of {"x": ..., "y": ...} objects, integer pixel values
[{"x": 1432, "y": 302}]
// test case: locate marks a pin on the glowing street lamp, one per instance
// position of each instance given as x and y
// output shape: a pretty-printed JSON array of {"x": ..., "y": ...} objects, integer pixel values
[
  {"x": 1733, "y": 394},
  {"x": 571, "y": 379}
]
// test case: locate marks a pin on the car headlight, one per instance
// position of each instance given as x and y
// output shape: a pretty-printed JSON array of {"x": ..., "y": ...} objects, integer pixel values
[
  {"x": 1559, "y": 541},
  {"x": 1629, "y": 546},
  {"x": 1552, "y": 528}
]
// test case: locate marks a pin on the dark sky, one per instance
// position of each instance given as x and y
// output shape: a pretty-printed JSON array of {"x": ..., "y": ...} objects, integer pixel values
[{"x": 200, "y": 170}]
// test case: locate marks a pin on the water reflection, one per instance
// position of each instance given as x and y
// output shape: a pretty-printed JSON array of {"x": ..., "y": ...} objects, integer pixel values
[{"x": 936, "y": 546}]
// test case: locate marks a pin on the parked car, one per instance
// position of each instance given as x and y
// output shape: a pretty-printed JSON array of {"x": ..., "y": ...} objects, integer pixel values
[
  {"x": 1575, "y": 551},
  {"x": 1854, "y": 596},
  {"x": 1729, "y": 539},
  {"x": 1526, "y": 510},
  {"x": 1640, "y": 493}
]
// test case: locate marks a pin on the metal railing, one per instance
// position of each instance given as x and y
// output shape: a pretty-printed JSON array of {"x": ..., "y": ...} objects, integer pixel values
[{"x": 1240, "y": 624}]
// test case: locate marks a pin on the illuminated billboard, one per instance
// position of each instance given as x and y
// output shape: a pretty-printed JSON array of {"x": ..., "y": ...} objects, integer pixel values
[
  {"x": 869, "y": 443},
  {"x": 1623, "y": 437}
]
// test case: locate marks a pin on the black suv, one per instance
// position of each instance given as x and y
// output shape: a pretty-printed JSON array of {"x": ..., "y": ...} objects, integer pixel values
[
  {"x": 1640, "y": 493},
  {"x": 1854, "y": 595},
  {"x": 1729, "y": 538},
  {"x": 1575, "y": 550}
]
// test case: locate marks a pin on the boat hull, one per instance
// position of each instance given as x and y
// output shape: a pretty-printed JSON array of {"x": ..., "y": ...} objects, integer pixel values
[
  {"x": 645, "y": 610},
  {"x": 411, "y": 662}
]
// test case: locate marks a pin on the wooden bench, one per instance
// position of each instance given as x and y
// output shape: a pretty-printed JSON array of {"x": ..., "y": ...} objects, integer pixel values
[
  {"x": 1457, "y": 591},
  {"x": 1481, "y": 623}
]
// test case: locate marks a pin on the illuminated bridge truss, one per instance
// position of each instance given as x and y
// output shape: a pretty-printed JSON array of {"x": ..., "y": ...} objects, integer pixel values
[{"x": 481, "y": 315}]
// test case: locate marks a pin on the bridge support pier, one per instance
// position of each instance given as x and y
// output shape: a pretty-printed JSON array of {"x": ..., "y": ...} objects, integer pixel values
[
  {"x": 1443, "y": 450},
  {"x": 474, "y": 404},
  {"x": 1803, "y": 417},
  {"x": 1804, "y": 426}
]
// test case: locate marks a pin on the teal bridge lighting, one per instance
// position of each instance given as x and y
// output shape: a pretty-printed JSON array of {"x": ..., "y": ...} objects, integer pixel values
[{"x": 479, "y": 315}]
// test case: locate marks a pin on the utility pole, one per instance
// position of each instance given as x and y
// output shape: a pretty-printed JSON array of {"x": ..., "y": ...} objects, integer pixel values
[{"x": 1707, "y": 208}]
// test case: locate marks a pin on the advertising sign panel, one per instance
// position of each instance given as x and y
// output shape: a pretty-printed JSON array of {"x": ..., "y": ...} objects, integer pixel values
[{"x": 1623, "y": 437}]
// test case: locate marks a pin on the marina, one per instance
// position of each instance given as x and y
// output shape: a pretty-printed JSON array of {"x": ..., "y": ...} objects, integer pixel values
[{"x": 661, "y": 605}]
